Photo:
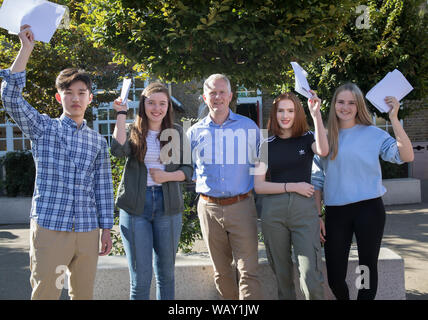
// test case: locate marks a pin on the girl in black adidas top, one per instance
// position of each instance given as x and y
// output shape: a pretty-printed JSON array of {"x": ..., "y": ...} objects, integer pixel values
[{"x": 289, "y": 214}]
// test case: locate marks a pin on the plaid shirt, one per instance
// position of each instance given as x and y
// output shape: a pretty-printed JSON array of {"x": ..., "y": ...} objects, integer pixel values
[{"x": 73, "y": 189}]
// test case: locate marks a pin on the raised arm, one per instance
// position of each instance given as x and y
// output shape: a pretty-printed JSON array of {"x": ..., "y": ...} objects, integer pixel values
[
  {"x": 320, "y": 146},
  {"x": 403, "y": 141},
  {"x": 29, "y": 120},
  {"x": 119, "y": 132},
  {"x": 26, "y": 37}
]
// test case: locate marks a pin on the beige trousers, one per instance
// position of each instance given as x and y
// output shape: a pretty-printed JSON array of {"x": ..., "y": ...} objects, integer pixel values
[
  {"x": 230, "y": 233},
  {"x": 52, "y": 253}
]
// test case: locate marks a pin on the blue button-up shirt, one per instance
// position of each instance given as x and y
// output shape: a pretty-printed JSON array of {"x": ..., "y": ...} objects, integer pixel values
[
  {"x": 224, "y": 155},
  {"x": 73, "y": 187}
]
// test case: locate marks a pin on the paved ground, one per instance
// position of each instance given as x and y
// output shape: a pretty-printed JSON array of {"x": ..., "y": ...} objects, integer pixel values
[{"x": 406, "y": 233}]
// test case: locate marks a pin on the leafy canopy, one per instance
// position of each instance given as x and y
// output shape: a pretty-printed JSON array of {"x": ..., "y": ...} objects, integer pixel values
[{"x": 251, "y": 41}]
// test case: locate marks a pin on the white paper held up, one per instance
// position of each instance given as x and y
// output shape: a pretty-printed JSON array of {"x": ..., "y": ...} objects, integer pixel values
[
  {"x": 125, "y": 90},
  {"x": 301, "y": 84},
  {"x": 43, "y": 17},
  {"x": 393, "y": 84}
]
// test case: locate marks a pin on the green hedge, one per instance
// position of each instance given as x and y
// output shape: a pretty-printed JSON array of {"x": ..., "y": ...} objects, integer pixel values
[
  {"x": 20, "y": 173},
  {"x": 392, "y": 170}
]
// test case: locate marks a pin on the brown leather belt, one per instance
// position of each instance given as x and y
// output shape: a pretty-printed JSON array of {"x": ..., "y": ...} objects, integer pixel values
[{"x": 226, "y": 201}]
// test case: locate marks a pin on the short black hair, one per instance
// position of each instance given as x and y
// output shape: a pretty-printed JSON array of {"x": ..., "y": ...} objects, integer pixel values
[{"x": 70, "y": 75}]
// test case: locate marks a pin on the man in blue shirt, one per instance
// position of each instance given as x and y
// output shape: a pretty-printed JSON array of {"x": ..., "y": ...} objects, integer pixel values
[
  {"x": 73, "y": 193},
  {"x": 224, "y": 150}
]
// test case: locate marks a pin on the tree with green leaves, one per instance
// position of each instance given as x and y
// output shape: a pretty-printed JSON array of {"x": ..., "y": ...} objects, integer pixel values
[
  {"x": 68, "y": 48},
  {"x": 254, "y": 41},
  {"x": 394, "y": 36},
  {"x": 251, "y": 41}
]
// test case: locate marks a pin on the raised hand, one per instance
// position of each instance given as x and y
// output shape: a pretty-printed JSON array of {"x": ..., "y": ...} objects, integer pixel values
[
  {"x": 314, "y": 104},
  {"x": 395, "y": 106},
  {"x": 26, "y": 36},
  {"x": 117, "y": 105}
]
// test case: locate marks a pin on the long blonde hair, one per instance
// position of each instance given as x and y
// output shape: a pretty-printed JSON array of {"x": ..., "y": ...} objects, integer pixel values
[{"x": 362, "y": 117}]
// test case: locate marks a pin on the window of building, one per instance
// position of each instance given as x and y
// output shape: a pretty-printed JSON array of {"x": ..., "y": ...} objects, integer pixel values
[
  {"x": 106, "y": 118},
  {"x": 11, "y": 137}
]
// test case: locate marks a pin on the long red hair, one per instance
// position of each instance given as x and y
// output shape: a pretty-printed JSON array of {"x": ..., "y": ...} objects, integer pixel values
[{"x": 300, "y": 125}]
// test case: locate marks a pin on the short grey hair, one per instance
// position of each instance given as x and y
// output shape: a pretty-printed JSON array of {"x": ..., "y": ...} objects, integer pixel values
[{"x": 216, "y": 76}]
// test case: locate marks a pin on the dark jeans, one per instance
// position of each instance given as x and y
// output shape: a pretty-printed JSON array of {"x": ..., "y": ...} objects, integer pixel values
[{"x": 367, "y": 220}]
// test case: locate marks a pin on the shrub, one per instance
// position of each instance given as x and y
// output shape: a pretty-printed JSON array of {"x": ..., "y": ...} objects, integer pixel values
[
  {"x": 393, "y": 170},
  {"x": 20, "y": 173},
  {"x": 191, "y": 230}
]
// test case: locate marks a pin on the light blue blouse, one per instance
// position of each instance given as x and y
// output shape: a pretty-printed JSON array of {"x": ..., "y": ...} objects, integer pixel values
[{"x": 355, "y": 175}]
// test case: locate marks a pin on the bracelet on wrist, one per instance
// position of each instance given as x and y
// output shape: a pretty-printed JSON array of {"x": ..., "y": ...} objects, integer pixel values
[{"x": 122, "y": 112}]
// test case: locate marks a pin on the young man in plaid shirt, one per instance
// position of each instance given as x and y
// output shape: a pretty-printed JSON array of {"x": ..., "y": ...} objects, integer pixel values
[{"x": 73, "y": 193}]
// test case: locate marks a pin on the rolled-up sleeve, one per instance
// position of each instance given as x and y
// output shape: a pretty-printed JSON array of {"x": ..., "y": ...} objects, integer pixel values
[
  {"x": 104, "y": 189},
  {"x": 389, "y": 150},
  {"x": 120, "y": 150},
  {"x": 29, "y": 120},
  {"x": 317, "y": 175}
]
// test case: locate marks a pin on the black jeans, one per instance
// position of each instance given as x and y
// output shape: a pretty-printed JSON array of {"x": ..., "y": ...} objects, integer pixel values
[{"x": 367, "y": 220}]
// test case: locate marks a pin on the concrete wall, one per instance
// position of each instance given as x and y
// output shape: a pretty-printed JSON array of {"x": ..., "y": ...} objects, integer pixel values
[
  {"x": 15, "y": 210},
  {"x": 402, "y": 191},
  {"x": 194, "y": 278}
]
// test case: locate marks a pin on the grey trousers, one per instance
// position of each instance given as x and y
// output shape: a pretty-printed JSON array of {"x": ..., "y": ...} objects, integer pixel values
[{"x": 288, "y": 220}]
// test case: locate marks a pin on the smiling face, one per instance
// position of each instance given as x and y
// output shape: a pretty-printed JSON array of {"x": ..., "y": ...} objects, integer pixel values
[
  {"x": 156, "y": 108},
  {"x": 74, "y": 99},
  {"x": 285, "y": 115},
  {"x": 217, "y": 96},
  {"x": 346, "y": 108}
]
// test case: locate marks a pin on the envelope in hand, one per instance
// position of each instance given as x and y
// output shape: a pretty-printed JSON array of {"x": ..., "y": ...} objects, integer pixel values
[
  {"x": 393, "y": 84},
  {"x": 43, "y": 17},
  {"x": 301, "y": 84}
]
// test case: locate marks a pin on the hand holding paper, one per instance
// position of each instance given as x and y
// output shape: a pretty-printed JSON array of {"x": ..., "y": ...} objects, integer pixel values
[
  {"x": 301, "y": 84},
  {"x": 393, "y": 84},
  {"x": 26, "y": 36}
]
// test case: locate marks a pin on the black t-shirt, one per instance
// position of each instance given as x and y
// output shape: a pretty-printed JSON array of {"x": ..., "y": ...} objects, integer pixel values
[{"x": 290, "y": 160}]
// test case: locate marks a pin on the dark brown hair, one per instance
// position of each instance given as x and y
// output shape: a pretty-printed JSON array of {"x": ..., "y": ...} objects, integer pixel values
[
  {"x": 300, "y": 125},
  {"x": 70, "y": 75},
  {"x": 140, "y": 127}
]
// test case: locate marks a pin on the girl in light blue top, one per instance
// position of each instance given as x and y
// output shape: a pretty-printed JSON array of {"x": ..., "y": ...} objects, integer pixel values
[{"x": 351, "y": 180}]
